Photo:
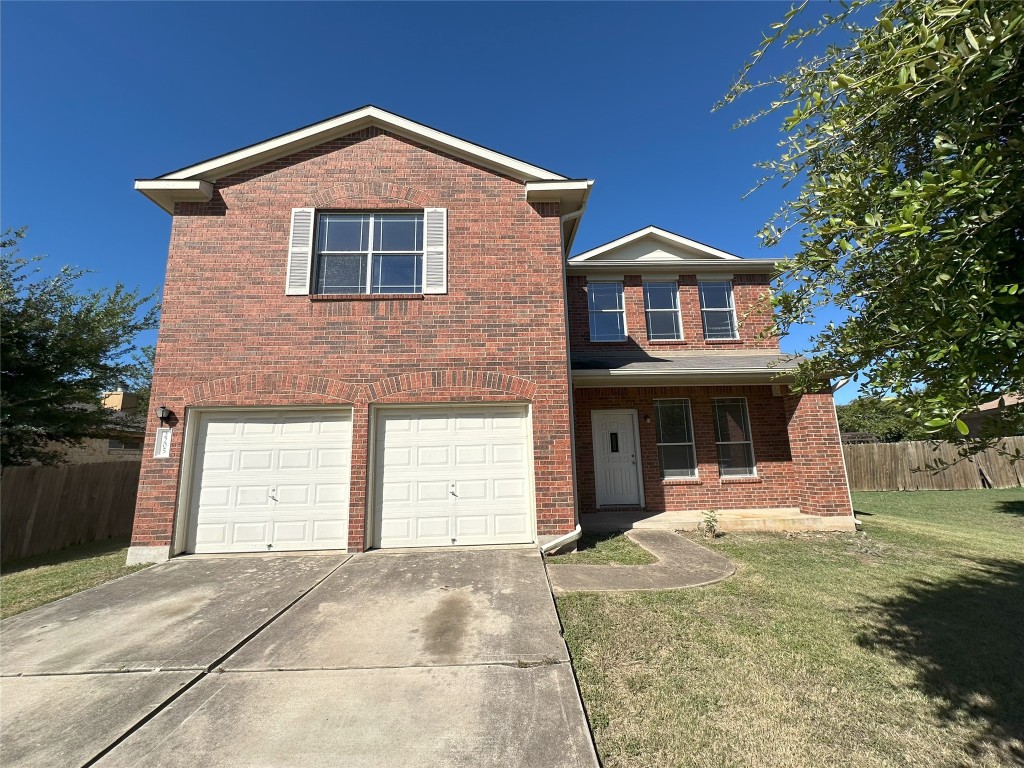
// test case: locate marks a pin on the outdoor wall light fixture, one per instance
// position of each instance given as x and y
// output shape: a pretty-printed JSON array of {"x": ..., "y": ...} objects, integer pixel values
[
  {"x": 164, "y": 413},
  {"x": 647, "y": 419}
]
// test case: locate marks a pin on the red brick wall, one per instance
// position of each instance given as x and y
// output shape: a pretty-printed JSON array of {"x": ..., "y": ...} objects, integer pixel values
[
  {"x": 230, "y": 336},
  {"x": 799, "y": 461},
  {"x": 748, "y": 291},
  {"x": 818, "y": 454}
]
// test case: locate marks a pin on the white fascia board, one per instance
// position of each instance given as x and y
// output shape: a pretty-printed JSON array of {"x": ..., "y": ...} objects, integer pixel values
[
  {"x": 680, "y": 267},
  {"x": 166, "y": 193},
  {"x": 689, "y": 377},
  {"x": 661, "y": 234},
  {"x": 350, "y": 122},
  {"x": 571, "y": 194}
]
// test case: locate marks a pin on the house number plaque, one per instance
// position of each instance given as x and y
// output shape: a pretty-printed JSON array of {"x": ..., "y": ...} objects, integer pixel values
[{"x": 162, "y": 445}]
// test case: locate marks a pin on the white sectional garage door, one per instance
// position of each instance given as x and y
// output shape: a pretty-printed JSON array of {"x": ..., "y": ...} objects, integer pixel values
[
  {"x": 453, "y": 476},
  {"x": 271, "y": 481}
]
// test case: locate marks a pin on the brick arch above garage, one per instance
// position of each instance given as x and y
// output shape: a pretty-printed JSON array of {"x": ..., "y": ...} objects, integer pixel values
[
  {"x": 268, "y": 389},
  {"x": 451, "y": 385}
]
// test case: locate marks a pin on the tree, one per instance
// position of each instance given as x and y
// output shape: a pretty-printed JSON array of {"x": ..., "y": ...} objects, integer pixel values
[
  {"x": 885, "y": 419},
  {"x": 61, "y": 347},
  {"x": 906, "y": 143}
]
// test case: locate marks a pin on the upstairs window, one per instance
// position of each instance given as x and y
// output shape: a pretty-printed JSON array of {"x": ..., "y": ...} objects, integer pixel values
[
  {"x": 717, "y": 310},
  {"x": 607, "y": 312},
  {"x": 661, "y": 302},
  {"x": 369, "y": 253},
  {"x": 732, "y": 434}
]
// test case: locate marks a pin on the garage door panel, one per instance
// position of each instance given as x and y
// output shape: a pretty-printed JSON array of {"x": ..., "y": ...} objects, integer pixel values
[
  {"x": 271, "y": 478},
  {"x": 443, "y": 475},
  {"x": 433, "y": 456}
]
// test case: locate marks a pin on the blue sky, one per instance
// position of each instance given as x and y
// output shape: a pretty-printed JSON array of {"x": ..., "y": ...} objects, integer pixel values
[{"x": 95, "y": 95}]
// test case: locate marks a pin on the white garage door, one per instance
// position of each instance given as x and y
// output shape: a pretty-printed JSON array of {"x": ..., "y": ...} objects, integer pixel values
[
  {"x": 449, "y": 476},
  {"x": 271, "y": 481}
]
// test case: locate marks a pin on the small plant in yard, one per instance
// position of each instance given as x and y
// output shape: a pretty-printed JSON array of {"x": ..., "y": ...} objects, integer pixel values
[{"x": 709, "y": 525}]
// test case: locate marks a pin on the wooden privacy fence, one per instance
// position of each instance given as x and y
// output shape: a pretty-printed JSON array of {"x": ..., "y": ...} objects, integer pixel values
[
  {"x": 905, "y": 467},
  {"x": 43, "y": 509}
]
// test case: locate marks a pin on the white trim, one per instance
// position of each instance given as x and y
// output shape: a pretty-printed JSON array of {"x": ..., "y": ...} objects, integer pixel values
[
  {"x": 661, "y": 234},
  {"x": 675, "y": 267},
  {"x": 347, "y": 123},
  {"x": 167, "y": 193},
  {"x": 636, "y": 444}
]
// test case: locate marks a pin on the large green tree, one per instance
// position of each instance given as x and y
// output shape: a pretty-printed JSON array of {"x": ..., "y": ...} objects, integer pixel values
[
  {"x": 904, "y": 141},
  {"x": 60, "y": 348}
]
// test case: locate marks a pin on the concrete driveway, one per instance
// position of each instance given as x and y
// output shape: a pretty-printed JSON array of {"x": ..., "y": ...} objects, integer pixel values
[{"x": 446, "y": 658}]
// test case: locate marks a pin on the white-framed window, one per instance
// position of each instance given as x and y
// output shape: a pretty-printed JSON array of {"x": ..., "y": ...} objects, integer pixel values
[
  {"x": 674, "y": 427},
  {"x": 732, "y": 435},
  {"x": 607, "y": 312},
  {"x": 369, "y": 253},
  {"x": 717, "y": 309},
  {"x": 661, "y": 302}
]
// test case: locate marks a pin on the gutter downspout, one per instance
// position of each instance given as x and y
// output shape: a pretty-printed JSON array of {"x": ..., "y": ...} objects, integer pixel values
[
  {"x": 561, "y": 540},
  {"x": 574, "y": 535}
]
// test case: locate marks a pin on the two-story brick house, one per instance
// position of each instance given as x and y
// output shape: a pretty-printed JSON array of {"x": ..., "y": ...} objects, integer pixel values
[{"x": 365, "y": 342}]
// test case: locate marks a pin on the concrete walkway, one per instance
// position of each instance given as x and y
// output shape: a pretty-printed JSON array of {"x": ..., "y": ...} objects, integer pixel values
[
  {"x": 681, "y": 563},
  {"x": 449, "y": 658}
]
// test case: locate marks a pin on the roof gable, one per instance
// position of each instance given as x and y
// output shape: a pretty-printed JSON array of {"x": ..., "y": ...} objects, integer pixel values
[
  {"x": 349, "y": 122},
  {"x": 653, "y": 245}
]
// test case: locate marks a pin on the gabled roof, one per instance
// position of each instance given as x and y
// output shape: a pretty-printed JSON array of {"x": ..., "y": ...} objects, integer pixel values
[
  {"x": 342, "y": 125},
  {"x": 654, "y": 249},
  {"x": 656, "y": 235},
  {"x": 195, "y": 182}
]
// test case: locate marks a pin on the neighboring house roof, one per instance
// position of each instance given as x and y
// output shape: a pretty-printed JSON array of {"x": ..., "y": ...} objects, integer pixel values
[
  {"x": 657, "y": 249},
  {"x": 194, "y": 183},
  {"x": 696, "y": 367}
]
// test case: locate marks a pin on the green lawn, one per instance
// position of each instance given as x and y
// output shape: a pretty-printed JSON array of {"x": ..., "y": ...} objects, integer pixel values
[
  {"x": 35, "y": 581},
  {"x": 604, "y": 549},
  {"x": 899, "y": 646}
]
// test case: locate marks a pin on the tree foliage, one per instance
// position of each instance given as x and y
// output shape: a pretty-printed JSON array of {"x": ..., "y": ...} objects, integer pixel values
[
  {"x": 61, "y": 348},
  {"x": 886, "y": 419},
  {"x": 906, "y": 143}
]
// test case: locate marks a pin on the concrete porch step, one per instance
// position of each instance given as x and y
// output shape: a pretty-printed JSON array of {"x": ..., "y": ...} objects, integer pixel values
[{"x": 767, "y": 519}]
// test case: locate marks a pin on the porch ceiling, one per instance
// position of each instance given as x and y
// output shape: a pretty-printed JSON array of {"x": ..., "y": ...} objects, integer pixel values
[{"x": 640, "y": 368}]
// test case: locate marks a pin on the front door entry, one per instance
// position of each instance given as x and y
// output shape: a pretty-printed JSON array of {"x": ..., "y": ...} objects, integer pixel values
[{"x": 616, "y": 459}]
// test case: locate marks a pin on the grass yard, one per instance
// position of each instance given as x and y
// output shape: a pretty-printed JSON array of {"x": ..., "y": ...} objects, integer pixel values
[
  {"x": 606, "y": 549},
  {"x": 902, "y": 645},
  {"x": 35, "y": 581}
]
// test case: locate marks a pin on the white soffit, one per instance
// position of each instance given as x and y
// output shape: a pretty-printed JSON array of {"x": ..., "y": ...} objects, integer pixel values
[{"x": 166, "y": 193}]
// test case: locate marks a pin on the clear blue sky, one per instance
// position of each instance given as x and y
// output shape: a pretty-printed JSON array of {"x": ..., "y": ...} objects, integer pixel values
[{"x": 95, "y": 95}]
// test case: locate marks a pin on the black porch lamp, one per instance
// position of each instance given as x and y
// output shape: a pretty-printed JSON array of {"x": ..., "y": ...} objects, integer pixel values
[{"x": 163, "y": 413}]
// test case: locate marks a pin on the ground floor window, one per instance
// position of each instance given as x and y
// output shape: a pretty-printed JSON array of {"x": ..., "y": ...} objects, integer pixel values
[
  {"x": 732, "y": 435},
  {"x": 675, "y": 438}
]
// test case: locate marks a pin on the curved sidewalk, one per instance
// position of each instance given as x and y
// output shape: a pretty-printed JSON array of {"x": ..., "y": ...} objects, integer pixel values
[{"x": 681, "y": 563}]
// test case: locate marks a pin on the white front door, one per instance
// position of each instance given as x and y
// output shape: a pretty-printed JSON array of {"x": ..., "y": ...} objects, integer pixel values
[
  {"x": 458, "y": 475},
  {"x": 616, "y": 459},
  {"x": 271, "y": 480}
]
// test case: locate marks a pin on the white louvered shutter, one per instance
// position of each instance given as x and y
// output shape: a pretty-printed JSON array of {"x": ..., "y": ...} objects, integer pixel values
[
  {"x": 435, "y": 250},
  {"x": 300, "y": 252}
]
